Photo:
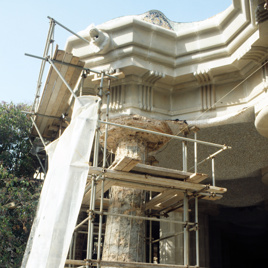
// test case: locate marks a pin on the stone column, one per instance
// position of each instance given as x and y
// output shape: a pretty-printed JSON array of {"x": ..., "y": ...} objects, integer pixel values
[{"x": 125, "y": 237}]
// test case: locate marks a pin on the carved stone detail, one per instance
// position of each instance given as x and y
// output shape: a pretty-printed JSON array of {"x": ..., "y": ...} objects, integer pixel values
[
  {"x": 158, "y": 18},
  {"x": 205, "y": 79},
  {"x": 99, "y": 41},
  {"x": 261, "y": 12},
  {"x": 256, "y": 54},
  {"x": 117, "y": 97}
]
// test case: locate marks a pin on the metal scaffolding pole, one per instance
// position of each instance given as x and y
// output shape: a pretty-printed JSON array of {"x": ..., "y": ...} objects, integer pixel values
[
  {"x": 186, "y": 229},
  {"x": 93, "y": 183},
  {"x": 196, "y": 232},
  {"x": 90, "y": 220},
  {"x": 63, "y": 79},
  {"x": 224, "y": 147},
  {"x": 195, "y": 152},
  {"x": 146, "y": 218},
  {"x": 213, "y": 171},
  {"x": 150, "y": 234},
  {"x": 67, "y": 29},
  {"x": 49, "y": 42},
  {"x": 100, "y": 222},
  {"x": 38, "y": 132},
  {"x": 184, "y": 156},
  {"x": 106, "y": 126}
]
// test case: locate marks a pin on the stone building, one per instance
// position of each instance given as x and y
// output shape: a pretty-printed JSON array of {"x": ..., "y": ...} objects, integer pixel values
[{"x": 212, "y": 74}]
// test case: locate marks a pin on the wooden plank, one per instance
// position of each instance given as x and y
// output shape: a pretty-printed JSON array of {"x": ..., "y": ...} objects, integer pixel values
[
  {"x": 170, "y": 173},
  {"x": 55, "y": 89},
  {"x": 58, "y": 98},
  {"x": 56, "y": 92},
  {"x": 165, "y": 199},
  {"x": 159, "y": 198},
  {"x": 141, "y": 186},
  {"x": 125, "y": 164},
  {"x": 161, "y": 171},
  {"x": 156, "y": 181},
  {"x": 47, "y": 91},
  {"x": 197, "y": 177}
]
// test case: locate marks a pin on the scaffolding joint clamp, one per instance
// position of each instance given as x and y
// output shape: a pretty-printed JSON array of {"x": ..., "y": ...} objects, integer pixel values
[{"x": 186, "y": 225}]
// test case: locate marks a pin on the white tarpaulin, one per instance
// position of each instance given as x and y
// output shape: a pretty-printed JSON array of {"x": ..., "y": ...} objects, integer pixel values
[{"x": 63, "y": 189}]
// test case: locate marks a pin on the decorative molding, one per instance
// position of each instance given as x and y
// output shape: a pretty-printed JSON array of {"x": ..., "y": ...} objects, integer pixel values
[
  {"x": 256, "y": 54},
  {"x": 261, "y": 12},
  {"x": 146, "y": 98},
  {"x": 204, "y": 77},
  {"x": 151, "y": 77},
  {"x": 208, "y": 97},
  {"x": 117, "y": 97},
  {"x": 157, "y": 18}
]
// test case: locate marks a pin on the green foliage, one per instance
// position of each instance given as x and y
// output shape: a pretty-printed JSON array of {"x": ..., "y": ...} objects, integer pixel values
[
  {"x": 19, "y": 193},
  {"x": 18, "y": 201},
  {"x": 14, "y": 140}
]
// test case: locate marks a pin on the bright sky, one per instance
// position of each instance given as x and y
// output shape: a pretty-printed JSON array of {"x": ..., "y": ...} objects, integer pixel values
[{"x": 24, "y": 26}]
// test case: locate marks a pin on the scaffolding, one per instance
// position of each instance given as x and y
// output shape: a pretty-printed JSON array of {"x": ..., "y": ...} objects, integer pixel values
[{"x": 168, "y": 189}]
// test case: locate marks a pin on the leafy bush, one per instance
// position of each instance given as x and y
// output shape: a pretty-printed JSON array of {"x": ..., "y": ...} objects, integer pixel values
[
  {"x": 19, "y": 192},
  {"x": 18, "y": 201}
]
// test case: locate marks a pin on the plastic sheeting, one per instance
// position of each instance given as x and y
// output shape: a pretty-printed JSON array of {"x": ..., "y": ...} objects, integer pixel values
[{"x": 63, "y": 189}]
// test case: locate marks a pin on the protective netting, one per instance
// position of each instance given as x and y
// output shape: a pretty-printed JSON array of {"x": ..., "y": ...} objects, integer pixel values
[{"x": 63, "y": 189}]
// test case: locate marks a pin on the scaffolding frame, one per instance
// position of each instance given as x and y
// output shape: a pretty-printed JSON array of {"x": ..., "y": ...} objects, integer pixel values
[{"x": 100, "y": 176}]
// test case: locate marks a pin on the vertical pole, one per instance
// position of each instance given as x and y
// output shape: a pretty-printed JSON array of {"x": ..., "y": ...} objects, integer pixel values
[
  {"x": 100, "y": 223},
  {"x": 106, "y": 125},
  {"x": 93, "y": 184},
  {"x": 213, "y": 171},
  {"x": 196, "y": 232},
  {"x": 186, "y": 229},
  {"x": 96, "y": 145},
  {"x": 90, "y": 221},
  {"x": 195, "y": 153},
  {"x": 71, "y": 250},
  {"x": 74, "y": 245},
  {"x": 184, "y": 155},
  {"x": 150, "y": 235},
  {"x": 52, "y": 39},
  {"x": 82, "y": 85}
]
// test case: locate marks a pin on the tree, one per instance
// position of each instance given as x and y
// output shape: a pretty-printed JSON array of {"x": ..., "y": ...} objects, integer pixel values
[
  {"x": 14, "y": 140},
  {"x": 19, "y": 192}
]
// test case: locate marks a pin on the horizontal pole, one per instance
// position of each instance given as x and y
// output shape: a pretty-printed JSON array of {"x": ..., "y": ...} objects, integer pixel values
[
  {"x": 167, "y": 237},
  {"x": 209, "y": 157},
  {"x": 43, "y": 115},
  {"x": 134, "y": 264},
  {"x": 224, "y": 147},
  {"x": 143, "y": 218},
  {"x": 67, "y": 29},
  {"x": 69, "y": 64}
]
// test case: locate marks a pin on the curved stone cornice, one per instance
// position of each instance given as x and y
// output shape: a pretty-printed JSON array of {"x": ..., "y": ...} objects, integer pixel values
[
  {"x": 217, "y": 42},
  {"x": 181, "y": 69}
]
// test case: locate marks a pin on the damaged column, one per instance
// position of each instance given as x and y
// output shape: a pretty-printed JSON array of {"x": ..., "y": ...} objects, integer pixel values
[{"x": 125, "y": 237}]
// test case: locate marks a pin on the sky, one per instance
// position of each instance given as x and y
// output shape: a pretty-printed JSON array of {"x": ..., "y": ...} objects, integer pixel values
[{"x": 24, "y": 27}]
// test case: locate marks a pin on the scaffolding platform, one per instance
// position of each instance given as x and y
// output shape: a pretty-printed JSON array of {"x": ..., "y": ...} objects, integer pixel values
[
  {"x": 55, "y": 97},
  {"x": 169, "y": 184}
]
